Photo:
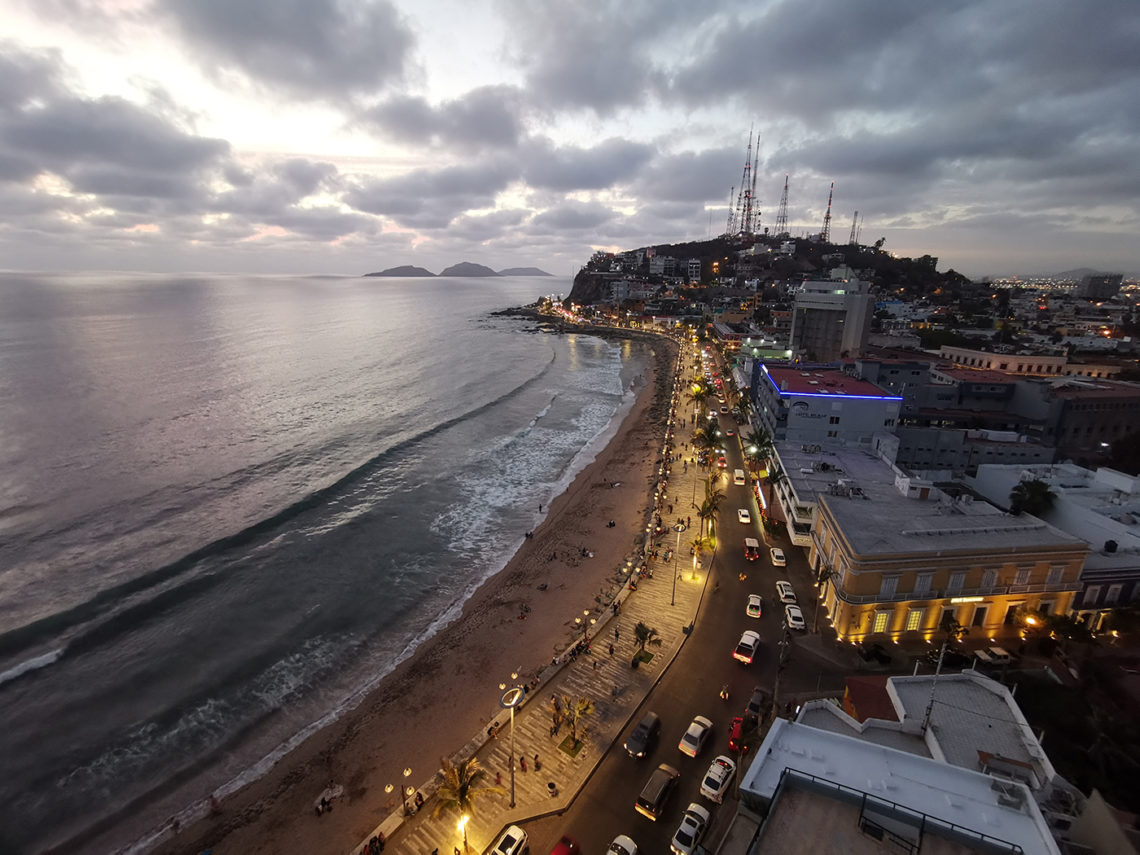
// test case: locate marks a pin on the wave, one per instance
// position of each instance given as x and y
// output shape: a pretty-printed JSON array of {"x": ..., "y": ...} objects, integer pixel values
[
  {"x": 115, "y": 597},
  {"x": 30, "y": 665}
]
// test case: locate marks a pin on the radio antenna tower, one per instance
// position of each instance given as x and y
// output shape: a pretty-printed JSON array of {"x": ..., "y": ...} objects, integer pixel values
[
  {"x": 753, "y": 222},
  {"x": 729, "y": 226},
  {"x": 743, "y": 218},
  {"x": 825, "y": 235},
  {"x": 782, "y": 213},
  {"x": 854, "y": 228}
]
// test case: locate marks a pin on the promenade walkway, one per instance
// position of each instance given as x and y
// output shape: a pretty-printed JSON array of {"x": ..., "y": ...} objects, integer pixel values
[{"x": 668, "y": 603}]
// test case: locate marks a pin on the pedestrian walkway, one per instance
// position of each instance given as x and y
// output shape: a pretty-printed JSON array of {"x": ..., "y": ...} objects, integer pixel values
[{"x": 668, "y": 602}]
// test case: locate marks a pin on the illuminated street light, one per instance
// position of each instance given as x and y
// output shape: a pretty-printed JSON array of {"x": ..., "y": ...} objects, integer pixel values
[{"x": 510, "y": 699}]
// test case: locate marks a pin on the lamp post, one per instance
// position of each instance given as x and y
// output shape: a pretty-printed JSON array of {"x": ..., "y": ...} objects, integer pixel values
[
  {"x": 677, "y": 527},
  {"x": 407, "y": 791},
  {"x": 510, "y": 699},
  {"x": 463, "y": 828}
]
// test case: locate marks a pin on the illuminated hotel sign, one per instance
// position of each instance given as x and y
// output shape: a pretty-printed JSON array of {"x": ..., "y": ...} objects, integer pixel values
[{"x": 967, "y": 599}]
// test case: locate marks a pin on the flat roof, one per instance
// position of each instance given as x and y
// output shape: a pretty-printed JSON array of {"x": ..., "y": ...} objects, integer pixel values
[
  {"x": 823, "y": 381},
  {"x": 977, "y": 375},
  {"x": 951, "y": 794}
]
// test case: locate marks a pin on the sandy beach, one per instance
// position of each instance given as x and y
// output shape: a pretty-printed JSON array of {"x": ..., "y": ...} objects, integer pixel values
[{"x": 435, "y": 702}]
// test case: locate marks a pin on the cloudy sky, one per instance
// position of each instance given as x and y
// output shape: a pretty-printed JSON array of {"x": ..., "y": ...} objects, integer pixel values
[{"x": 343, "y": 136}]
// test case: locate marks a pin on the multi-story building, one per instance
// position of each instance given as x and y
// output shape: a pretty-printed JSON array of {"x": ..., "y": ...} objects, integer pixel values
[
  {"x": 831, "y": 319},
  {"x": 899, "y": 557},
  {"x": 1101, "y": 286},
  {"x": 820, "y": 405},
  {"x": 1102, "y": 508},
  {"x": 694, "y": 270}
]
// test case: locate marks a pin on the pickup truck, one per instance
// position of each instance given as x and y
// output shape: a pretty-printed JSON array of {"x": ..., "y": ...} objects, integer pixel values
[{"x": 992, "y": 656}]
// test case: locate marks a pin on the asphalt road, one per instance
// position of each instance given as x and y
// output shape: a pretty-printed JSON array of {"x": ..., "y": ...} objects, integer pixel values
[{"x": 691, "y": 686}]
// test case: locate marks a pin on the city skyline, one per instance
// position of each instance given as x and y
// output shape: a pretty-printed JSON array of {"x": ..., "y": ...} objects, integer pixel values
[{"x": 343, "y": 136}]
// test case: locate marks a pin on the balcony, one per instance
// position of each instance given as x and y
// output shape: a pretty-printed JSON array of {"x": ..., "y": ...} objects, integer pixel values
[{"x": 942, "y": 594}]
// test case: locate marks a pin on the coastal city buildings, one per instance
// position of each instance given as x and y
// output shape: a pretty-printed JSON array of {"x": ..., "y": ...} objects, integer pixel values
[{"x": 831, "y": 318}]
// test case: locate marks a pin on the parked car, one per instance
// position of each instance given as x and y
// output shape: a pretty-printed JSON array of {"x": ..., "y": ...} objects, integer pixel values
[
  {"x": 755, "y": 607},
  {"x": 955, "y": 657},
  {"x": 513, "y": 841},
  {"x": 793, "y": 617},
  {"x": 655, "y": 794},
  {"x": 643, "y": 737},
  {"x": 718, "y": 779},
  {"x": 743, "y": 515},
  {"x": 622, "y": 845},
  {"x": 724, "y": 411},
  {"x": 993, "y": 656},
  {"x": 777, "y": 556},
  {"x": 746, "y": 647},
  {"x": 566, "y": 846},
  {"x": 695, "y": 737},
  {"x": 785, "y": 592},
  {"x": 867, "y": 652},
  {"x": 690, "y": 831},
  {"x": 757, "y": 702},
  {"x": 736, "y": 735}
]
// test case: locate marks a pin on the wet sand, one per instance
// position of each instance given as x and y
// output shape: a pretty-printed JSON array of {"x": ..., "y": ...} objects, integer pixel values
[{"x": 435, "y": 702}]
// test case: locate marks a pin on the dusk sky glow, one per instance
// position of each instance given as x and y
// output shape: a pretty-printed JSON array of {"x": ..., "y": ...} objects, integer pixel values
[{"x": 342, "y": 136}]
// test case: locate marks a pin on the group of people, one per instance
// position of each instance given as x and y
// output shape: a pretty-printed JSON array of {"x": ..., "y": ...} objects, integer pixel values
[{"x": 375, "y": 844}]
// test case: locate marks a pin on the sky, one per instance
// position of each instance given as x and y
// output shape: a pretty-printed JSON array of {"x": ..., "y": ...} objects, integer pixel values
[{"x": 345, "y": 136}]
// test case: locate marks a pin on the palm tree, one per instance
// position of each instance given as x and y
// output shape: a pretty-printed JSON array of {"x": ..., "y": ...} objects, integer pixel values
[
  {"x": 758, "y": 446},
  {"x": 461, "y": 787},
  {"x": 1031, "y": 497},
  {"x": 709, "y": 507},
  {"x": 698, "y": 395},
  {"x": 573, "y": 709},
  {"x": 775, "y": 478},
  {"x": 646, "y": 635},
  {"x": 743, "y": 409}
]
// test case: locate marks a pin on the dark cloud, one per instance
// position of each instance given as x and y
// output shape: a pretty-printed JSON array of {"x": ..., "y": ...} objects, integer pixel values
[
  {"x": 482, "y": 227},
  {"x": 486, "y": 117},
  {"x": 27, "y": 75},
  {"x": 572, "y": 216},
  {"x": 692, "y": 176},
  {"x": 320, "y": 49},
  {"x": 566, "y": 168}
]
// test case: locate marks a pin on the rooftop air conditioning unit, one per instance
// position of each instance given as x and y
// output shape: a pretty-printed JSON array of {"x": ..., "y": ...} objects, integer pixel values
[{"x": 1110, "y": 546}]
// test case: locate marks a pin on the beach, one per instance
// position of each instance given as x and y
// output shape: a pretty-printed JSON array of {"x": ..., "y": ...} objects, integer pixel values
[{"x": 447, "y": 692}]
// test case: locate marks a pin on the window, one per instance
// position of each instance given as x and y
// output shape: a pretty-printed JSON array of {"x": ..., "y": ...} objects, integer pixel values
[
  {"x": 833, "y": 433},
  {"x": 833, "y": 420},
  {"x": 922, "y": 585},
  {"x": 1113, "y": 594},
  {"x": 1045, "y": 607},
  {"x": 888, "y": 587},
  {"x": 1092, "y": 594},
  {"x": 1055, "y": 574},
  {"x": 989, "y": 578},
  {"x": 913, "y": 619},
  {"x": 1022, "y": 577},
  {"x": 882, "y": 620}
]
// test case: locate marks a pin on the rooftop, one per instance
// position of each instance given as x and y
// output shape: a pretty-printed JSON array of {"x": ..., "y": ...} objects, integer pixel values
[
  {"x": 976, "y": 375},
  {"x": 893, "y": 788},
  {"x": 823, "y": 382}
]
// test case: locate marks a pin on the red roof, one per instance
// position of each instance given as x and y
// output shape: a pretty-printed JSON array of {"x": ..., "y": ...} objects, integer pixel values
[
  {"x": 822, "y": 381},
  {"x": 866, "y": 697}
]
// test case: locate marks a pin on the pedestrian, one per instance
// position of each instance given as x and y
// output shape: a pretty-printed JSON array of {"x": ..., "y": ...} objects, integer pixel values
[
  {"x": 611, "y": 650},
  {"x": 498, "y": 779},
  {"x": 540, "y": 507},
  {"x": 537, "y": 764},
  {"x": 595, "y": 664},
  {"x": 522, "y": 763},
  {"x": 688, "y": 521},
  {"x": 617, "y": 635}
]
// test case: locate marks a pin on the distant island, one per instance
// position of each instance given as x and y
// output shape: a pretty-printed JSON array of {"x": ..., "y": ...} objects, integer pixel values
[
  {"x": 464, "y": 268},
  {"x": 523, "y": 271},
  {"x": 403, "y": 270}
]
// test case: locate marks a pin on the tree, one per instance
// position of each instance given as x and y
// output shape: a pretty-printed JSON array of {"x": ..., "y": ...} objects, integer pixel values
[
  {"x": 1033, "y": 496},
  {"x": 646, "y": 635},
  {"x": 573, "y": 709},
  {"x": 709, "y": 507},
  {"x": 757, "y": 446},
  {"x": 461, "y": 787}
]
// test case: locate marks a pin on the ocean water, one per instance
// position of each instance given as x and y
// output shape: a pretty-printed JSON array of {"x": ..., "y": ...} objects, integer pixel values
[{"x": 229, "y": 505}]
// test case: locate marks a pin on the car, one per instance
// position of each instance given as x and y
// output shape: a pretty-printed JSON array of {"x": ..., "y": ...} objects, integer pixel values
[
  {"x": 755, "y": 607},
  {"x": 730, "y": 432},
  {"x": 695, "y": 737},
  {"x": 751, "y": 548},
  {"x": 785, "y": 592},
  {"x": 777, "y": 556},
  {"x": 794, "y": 617},
  {"x": 867, "y": 652},
  {"x": 746, "y": 647},
  {"x": 513, "y": 841},
  {"x": 743, "y": 515},
  {"x": 655, "y": 794},
  {"x": 954, "y": 657},
  {"x": 622, "y": 845},
  {"x": 736, "y": 735},
  {"x": 718, "y": 779},
  {"x": 566, "y": 846},
  {"x": 757, "y": 702},
  {"x": 724, "y": 411},
  {"x": 721, "y": 463},
  {"x": 992, "y": 656},
  {"x": 643, "y": 737},
  {"x": 690, "y": 831}
]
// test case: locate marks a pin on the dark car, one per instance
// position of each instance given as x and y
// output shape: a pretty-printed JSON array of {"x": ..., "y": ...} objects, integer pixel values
[
  {"x": 756, "y": 703},
  {"x": 954, "y": 658},
  {"x": 641, "y": 741},
  {"x": 877, "y": 652}
]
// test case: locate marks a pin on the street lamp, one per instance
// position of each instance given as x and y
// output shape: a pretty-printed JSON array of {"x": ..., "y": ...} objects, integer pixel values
[
  {"x": 678, "y": 527},
  {"x": 510, "y": 699}
]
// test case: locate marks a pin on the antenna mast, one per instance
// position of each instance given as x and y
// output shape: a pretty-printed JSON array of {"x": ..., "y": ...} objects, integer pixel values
[
  {"x": 754, "y": 217},
  {"x": 743, "y": 220},
  {"x": 782, "y": 213},
  {"x": 854, "y": 228},
  {"x": 825, "y": 235},
  {"x": 728, "y": 227}
]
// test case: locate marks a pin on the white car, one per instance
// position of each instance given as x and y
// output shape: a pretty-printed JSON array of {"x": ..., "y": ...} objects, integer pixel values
[
  {"x": 512, "y": 842},
  {"x": 622, "y": 845},
  {"x": 755, "y": 607},
  {"x": 692, "y": 828},
  {"x": 695, "y": 737},
  {"x": 718, "y": 779},
  {"x": 778, "y": 559},
  {"x": 724, "y": 411},
  {"x": 785, "y": 592},
  {"x": 746, "y": 649},
  {"x": 743, "y": 515},
  {"x": 794, "y": 617}
]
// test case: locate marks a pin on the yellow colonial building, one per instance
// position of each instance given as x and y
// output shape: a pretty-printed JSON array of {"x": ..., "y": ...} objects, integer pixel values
[{"x": 895, "y": 558}]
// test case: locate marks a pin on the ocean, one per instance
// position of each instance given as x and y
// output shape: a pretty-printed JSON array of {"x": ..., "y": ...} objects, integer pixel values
[{"x": 229, "y": 505}]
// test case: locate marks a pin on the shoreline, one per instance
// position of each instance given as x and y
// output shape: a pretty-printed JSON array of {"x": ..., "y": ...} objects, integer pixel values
[{"x": 528, "y": 606}]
